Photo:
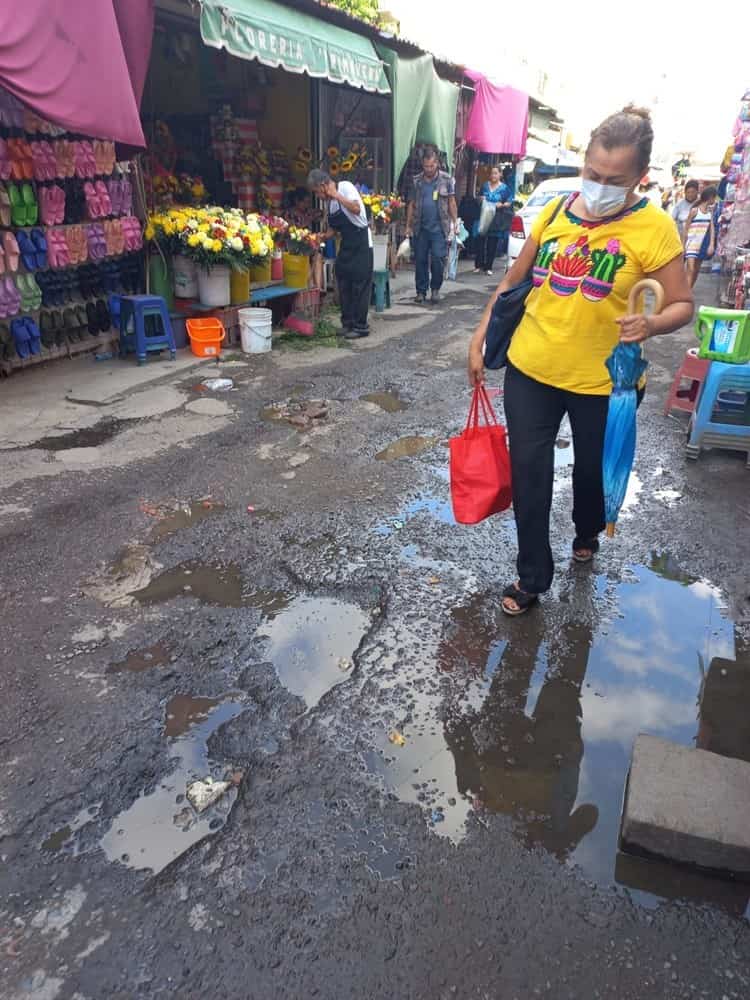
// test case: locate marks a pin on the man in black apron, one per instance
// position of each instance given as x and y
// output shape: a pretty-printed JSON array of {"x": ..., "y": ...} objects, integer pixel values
[{"x": 347, "y": 217}]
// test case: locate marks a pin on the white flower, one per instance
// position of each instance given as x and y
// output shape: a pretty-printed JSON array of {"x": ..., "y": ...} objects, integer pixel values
[{"x": 236, "y": 243}]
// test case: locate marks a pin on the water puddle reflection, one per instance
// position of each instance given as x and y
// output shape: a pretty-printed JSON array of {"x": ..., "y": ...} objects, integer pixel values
[
  {"x": 537, "y": 721},
  {"x": 161, "y": 824},
  {"x": 311, "y": 644}
]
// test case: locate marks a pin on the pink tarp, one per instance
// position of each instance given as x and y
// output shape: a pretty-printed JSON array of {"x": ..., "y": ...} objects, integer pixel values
[
  {"x": 80, "y": 63},
  {"x": 499, "y": 118}
]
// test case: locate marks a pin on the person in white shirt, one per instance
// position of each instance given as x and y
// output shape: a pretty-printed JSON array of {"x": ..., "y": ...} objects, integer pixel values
[
  {"x": 354, "y": 263},
  {"x": 681, "y": 211}
]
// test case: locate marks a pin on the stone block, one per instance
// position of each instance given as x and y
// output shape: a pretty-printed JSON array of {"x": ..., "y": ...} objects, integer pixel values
[{"x": 688, "y": 805}]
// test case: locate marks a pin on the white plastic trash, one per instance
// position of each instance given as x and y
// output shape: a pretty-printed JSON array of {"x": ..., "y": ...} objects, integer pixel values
[{"x": 256, "y": 327}]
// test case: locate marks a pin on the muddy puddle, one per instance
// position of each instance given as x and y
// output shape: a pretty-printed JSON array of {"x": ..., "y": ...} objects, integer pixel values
[
  {"x": 184, "y": 516},
  {"x": 218, "y": 585},
  {"x": 406, "y": 447},
  {"x": 537, "y": 721},
  {"x": 139, "y": 660},
  {"x": 64, "y": 837},
  {"x": 86, "y": 437},
  {"x": 311, "y": 644},
  {"x": 390, "y": 402},
  {"x": 221, "y": 586},
  {"x": 161, "y": 824}
]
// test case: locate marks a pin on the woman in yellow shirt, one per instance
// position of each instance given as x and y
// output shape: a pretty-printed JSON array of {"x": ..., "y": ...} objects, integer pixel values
[{"x": 584, "y": 255}]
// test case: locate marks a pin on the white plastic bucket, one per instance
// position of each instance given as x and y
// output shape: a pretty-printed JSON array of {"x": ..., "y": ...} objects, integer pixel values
[
  {"x": 214, "y": 286},
  {"x": 380, "y": 253},
  {"x": 255, "y": 330},
  {"x": 185, "y": 277}
]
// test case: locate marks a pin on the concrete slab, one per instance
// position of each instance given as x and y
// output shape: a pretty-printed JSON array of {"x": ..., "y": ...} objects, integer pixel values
[
  {"x": 688, "y": 805},
  {"x": 71, "y": 394}
]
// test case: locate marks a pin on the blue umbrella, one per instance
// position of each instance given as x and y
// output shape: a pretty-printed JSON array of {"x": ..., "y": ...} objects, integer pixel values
[{"x": 626, "y": 365}]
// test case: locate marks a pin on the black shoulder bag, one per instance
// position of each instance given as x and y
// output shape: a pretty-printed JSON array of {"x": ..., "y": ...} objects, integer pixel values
[{"x": 507, "y": 313}]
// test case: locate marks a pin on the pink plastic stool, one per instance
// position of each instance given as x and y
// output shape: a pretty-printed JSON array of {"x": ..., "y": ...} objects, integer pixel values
[{"x": 694, "y": 370}]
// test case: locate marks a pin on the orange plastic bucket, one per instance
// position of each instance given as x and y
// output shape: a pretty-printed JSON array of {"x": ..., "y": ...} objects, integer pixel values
[{"x": 206, "y": 336}]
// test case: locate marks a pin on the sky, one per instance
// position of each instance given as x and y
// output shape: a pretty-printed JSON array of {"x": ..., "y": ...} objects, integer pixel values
[{"x": 688, "y": 71}]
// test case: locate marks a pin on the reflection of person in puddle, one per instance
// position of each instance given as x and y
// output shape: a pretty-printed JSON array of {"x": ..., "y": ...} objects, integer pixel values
[{"x": 529, "y": 764}]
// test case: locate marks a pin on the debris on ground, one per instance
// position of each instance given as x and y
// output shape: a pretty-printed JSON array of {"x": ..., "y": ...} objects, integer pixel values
[
  {"x": 345, "y": 664},
  {"x": 217, "y": 384},
  {"x": 131, "y": 571},
  {"x": 398, "y": 739},
  {"x": 205, "y": 792},
  {"x": 301, "y": 413}
]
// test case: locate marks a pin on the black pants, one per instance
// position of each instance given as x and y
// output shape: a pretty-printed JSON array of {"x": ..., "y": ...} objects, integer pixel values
[
  {"x": 534, "y": 412},
  {"x": 355, "y": 292},
  {"x": 486, "y": 250}
]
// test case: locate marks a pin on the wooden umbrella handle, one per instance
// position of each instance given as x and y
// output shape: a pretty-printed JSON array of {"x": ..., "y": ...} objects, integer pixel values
[{"x": 637, "y": 291}]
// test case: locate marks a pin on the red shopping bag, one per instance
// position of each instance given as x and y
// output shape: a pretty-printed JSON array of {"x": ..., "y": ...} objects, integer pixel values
[{"x": 480, "y": 465}]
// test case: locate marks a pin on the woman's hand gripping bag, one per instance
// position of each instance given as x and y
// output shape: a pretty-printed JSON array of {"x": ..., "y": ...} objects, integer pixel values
[{"x": 480, "y": 465}]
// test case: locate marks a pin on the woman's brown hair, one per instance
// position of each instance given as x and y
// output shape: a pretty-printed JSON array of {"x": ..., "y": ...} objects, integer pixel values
[{"x": 629, "y": 127}]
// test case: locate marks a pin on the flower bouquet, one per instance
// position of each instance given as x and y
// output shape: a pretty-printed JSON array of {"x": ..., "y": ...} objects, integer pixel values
[{"x": 302, "y": 242}]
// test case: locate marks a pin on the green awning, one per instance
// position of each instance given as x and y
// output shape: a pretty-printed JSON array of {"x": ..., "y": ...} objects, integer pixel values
[
  {"x": 278, "y": 36},
  {"x": 424, "y": 106}
]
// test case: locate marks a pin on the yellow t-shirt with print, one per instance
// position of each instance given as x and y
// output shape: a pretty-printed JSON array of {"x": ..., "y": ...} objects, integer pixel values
[{"x": 583, "y": 275}]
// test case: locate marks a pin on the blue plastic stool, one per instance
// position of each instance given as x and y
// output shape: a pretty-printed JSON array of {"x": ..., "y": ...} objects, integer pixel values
[
  {"x": 381, "y": 290},
  {"x": 147, "y": 317},
  {"x": 707, "y": 429}
]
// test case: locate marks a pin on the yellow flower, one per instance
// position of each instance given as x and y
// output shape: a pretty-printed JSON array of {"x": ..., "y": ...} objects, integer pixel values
[
  {"x": 304, "y": 154},
  {"x": 333, "y": 169},
  {"x": 149, "y": 232},
  {"x": 216, "y": 246},
  {"x": 193, "y": 240},
  {"x": 332, "y": 152}
]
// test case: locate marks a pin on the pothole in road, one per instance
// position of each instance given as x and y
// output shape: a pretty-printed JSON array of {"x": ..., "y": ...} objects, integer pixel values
[
  {"x": 221, "y": 586},
  {"x": 537, "y": 721},
  {"x": 391, "y": 402},
  {"x": 161, "y": 824},
  {"x": 139, "y": 660},
  {"x": 406, "y": 447},
  {"x": 311, "y": 644}
]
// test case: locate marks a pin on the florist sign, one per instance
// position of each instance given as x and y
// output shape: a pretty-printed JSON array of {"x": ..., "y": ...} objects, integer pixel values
[{"x": 274, "y": 36}]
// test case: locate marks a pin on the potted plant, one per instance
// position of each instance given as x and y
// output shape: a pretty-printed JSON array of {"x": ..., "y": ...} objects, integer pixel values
[{"x": 219, "y": 240}]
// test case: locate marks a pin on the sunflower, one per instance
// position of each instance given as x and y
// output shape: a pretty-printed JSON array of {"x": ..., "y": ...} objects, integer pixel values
[
  {"x": 347, "y": 165},
  {"x": 301, "y": 166},
  {"x": 333, "y": 169},
  {"x": 332, "y": 152},
  {"x": 304, "y": 154}
]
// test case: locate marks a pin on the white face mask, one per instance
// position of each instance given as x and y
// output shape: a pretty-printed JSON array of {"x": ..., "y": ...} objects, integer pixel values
[{"x": 603, "y": 199}]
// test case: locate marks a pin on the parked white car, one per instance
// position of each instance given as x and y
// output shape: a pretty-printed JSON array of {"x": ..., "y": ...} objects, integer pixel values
[{"x": 520, "y": 227}]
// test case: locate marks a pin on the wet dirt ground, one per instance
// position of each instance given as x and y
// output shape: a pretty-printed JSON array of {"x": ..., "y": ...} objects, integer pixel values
[{"x": 416, "y": 797}]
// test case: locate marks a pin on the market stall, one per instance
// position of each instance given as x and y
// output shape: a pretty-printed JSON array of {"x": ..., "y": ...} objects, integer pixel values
[
  {"x": 69, "y": 233},
  {"x": 734, "y": 228},
  {"x": 241, "y": 103}
]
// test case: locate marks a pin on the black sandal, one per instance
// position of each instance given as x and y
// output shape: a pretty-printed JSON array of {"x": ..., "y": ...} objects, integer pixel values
[
  {"x": 581, "y": 544},
  {"x": 522, "y": 599}
]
